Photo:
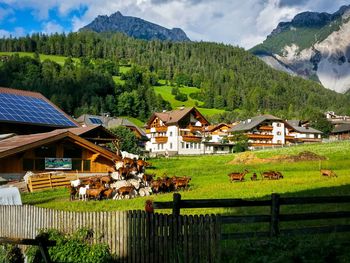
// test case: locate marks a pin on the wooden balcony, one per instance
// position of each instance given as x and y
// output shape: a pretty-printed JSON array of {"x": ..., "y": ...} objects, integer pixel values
[
  {"x": 195, "y": 128},
  {"x": 191, "y": 138},
  {"x": 161, "y": 139},
  {"x": 309, "y": 140},
  {"x": 266, "y": 128},
  {"x": 289, "y": 138},
  {"x": 259, "y": 136},
  {"x": 161, "y": 129}
]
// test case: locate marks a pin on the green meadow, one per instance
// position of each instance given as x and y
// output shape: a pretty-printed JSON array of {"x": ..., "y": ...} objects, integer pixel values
[
  {"x": 210, "y": 180},
  {"x": 57, "y": 59}
]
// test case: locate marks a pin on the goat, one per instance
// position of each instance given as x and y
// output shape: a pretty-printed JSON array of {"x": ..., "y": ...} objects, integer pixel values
[
  {"x": 237, "y": 176},
  {"x": 328, "y": 173},
  {"x": 254, "y": 177},
  {"x": 82, "y": 192},
  {"x": 125, "y": 191}
]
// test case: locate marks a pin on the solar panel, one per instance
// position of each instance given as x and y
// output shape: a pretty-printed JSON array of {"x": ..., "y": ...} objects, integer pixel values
[
  {"x": 27, "y": 109},
  {"x": 95, "y": 121}
]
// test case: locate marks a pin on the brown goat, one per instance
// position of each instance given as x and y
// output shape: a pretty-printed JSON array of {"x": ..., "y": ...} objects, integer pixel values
[
  {"x": 237, "y": 176},
  {"x": 181, "y": 182},
  {"x": 328, "y": 173},
  {"x": 95, "y": 193},
  {"x": 125, "y": 190}
]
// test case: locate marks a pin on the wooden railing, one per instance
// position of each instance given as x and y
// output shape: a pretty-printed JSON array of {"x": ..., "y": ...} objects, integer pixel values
[
  {"x": 191, "y": 138},
  {"x": 161, "y": 139},
  {"x": 259, "y": 136},
  {"x": 41, "y": 240},
  {"x": 274, "y": 218}
]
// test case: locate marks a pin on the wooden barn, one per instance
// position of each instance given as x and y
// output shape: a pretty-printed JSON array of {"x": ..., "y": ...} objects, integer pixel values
[{"x": 60, "y": 149}]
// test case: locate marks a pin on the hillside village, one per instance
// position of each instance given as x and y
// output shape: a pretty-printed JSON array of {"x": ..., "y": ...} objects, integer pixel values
[{"x": 34, "y": 129}]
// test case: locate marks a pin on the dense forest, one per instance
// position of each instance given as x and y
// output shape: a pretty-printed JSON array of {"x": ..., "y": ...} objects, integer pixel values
[
  {"x": 85, "y": 87},
  {"x": 229, "y": 77}
]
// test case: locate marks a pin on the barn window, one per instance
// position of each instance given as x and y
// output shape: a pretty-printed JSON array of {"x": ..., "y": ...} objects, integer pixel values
[{"x": 72, "y": 151}]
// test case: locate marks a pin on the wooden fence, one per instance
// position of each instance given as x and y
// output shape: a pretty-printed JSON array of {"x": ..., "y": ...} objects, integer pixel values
[
  {"x": 133, "y": 236},
  {"x": 49, "y": 180},
  {"x": 274, "y": 218}
]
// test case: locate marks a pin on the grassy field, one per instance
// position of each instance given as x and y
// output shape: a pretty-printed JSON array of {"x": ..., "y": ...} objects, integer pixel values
[
  {"x": 165, "y": 92},
  {"x": 210, "y": 180},
  {"x": 57, "y": 59}
]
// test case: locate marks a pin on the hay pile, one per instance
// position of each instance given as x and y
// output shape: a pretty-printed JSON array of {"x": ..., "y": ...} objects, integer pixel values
[{"x": 251, "y": 158}]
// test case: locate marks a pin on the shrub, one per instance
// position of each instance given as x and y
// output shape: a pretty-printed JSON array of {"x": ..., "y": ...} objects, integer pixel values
[
  {"x": 75, "y": 248},
  {"x": 181, "y": 97},
  {"x": 10, "y": 254}
]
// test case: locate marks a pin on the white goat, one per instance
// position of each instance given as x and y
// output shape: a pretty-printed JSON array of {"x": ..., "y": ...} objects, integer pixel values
[
  {"x": 129, "y": 155},
  {"x": 82, "y": 192},
  {"x": 75, "y": 183}
]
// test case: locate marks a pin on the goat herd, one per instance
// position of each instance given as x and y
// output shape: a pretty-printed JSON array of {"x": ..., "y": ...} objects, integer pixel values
[
  {"x": 271, "y": 175},
  {"x": 127, "y": 180}
]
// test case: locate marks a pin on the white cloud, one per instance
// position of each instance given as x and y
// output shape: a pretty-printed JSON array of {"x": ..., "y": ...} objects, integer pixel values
[
  {"x": 17, "y": 32},
  {"x": 52, "y": 27},
  {"x": 245, "y": 23}
]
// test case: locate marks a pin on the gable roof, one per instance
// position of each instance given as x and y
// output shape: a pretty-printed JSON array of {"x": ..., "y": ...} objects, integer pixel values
[
  {"x": 295, "y": 124},
  {"x": 22, "y": 143},
  {"x": 174, "y": 116},
  {"x": 213, "y": 128},
  {"x": 109, "y": 122},
  {"x": 253, "y": 122},
  {"x": 344, "y": 127}
]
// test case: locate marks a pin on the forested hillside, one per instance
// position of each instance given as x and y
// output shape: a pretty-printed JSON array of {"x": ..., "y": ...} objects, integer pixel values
[{"x": 228, "y": 77}]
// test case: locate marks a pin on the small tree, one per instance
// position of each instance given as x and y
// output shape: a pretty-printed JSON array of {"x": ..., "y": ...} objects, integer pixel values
[
  {"x": 127, "y": 139},
  {"x": 240, "y": 140}
]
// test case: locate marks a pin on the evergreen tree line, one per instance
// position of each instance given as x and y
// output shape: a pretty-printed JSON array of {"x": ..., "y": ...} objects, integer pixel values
[
  {"x": 85, "y": 86},
  {"x": 229, "y": 77}
]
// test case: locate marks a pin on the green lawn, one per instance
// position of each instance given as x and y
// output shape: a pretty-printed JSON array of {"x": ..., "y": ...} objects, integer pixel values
[
  {"x": 165, "y": 92},
  {"x": 210, "y": 180},
  {"x": 137, "y": 122}
]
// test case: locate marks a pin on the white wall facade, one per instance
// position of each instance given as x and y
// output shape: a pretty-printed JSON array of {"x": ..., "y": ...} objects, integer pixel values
[{"x": 278, "y": 133}]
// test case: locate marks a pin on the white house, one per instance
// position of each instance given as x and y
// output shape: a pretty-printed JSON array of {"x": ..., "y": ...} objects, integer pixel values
[{"x": 178, "y": 131}]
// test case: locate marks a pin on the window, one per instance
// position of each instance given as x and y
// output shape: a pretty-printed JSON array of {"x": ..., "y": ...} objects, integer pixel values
[
  {"x": 171, "y": 134},
  {"x": 279, "y": 133},
  {"x": 86, "y": 165},
  {"x": 46, "y": 151},
  {"x": 72, "y": 151},
  {"x": 171, "y": 145},
  {"x": 278, "y": 124},
  {"x": 187, "y": 145},
  {"x": 279, "y": 141},
  {"x": 182, "y": 145}
]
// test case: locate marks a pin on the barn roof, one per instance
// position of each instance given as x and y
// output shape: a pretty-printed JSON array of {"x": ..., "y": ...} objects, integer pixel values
[
  {"x": 344, "y": 127},
  {"x": 22, "y": 143}
]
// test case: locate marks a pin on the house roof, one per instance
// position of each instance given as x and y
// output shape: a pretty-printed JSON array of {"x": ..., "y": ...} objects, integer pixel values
[
  {"x": 295, "y": 124},
  {"x": 212, "y": 128},
  {"x": 344, "y": 127},
  {"x": 109, "y": 122},
  {"x": 253, "y": 122},
  {"x": 174, "y": 116},
  {"x": 27, "y": 107},
  {"x": 22, "y": 143}
]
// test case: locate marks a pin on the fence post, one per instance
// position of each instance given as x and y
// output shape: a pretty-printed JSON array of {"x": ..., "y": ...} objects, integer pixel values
[
  {"x": 176, "y": 204},
  {"x": 42, "y": 243},
  {"x": 275, "y": 211}
]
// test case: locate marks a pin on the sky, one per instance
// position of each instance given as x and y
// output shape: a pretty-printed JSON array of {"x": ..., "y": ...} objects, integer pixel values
[{"x": 243, "y": 23}]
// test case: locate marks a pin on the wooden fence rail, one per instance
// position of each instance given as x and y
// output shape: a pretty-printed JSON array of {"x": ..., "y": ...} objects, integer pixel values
[{"x": 274, "y": 218}]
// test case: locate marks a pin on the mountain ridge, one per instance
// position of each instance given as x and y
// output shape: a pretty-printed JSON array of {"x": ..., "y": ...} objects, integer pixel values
[
  {"x": 313, "y": 45},
  {"x": 134, "y": 27}
]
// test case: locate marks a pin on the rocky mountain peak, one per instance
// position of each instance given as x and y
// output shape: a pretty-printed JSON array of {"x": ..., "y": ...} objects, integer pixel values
[{"x": 134, "y": 27}]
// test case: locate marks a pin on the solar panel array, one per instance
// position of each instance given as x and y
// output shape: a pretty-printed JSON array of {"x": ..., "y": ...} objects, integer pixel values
[
  {"x": 95, "y": 121},
  {"x": 27, "y": 109}
]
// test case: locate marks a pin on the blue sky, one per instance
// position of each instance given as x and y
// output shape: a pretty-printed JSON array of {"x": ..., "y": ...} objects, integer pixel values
[{"x": 243, "y": 23}]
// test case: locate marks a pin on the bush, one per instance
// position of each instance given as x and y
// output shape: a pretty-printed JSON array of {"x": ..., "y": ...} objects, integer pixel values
[
  {"x": 11, "y": 254},
  {"x": 73, "y": 248},
  {"x": 181, "y": 97}
]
